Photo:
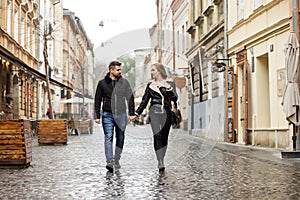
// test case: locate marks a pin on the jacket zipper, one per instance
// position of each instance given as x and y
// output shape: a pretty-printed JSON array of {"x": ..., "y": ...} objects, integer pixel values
[{"x": 115, "y": 89}]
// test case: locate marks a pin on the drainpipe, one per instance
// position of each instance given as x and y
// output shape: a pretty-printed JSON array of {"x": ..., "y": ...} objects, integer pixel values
[
  {"x": 173, "y": 45},
  {"x": 254, "y": 125},
  {"x": 225, "y": 57},
  {"x": 160, "y": 30}
]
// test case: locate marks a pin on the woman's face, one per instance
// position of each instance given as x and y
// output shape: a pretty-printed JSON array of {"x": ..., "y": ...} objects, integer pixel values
[{"x": 154, "y": 72}]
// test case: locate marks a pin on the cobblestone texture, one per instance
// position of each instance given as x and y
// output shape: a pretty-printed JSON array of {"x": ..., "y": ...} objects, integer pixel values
[{"x": 195, "y": 169}]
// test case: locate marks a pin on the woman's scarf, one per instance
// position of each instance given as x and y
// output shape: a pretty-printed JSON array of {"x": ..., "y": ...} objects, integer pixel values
[{"x": 155, "y": 87}]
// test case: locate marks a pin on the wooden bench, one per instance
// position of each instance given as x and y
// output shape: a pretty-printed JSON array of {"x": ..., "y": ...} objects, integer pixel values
[
  {"x": 80, "y": 126},
  {"x": 85, "y": 126}
]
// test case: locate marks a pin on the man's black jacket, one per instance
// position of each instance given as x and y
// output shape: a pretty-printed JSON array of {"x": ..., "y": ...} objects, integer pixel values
[{"x": 114, "y": 95}]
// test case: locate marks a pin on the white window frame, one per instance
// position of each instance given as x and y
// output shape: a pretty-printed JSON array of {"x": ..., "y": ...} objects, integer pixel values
[
  {"x": 9, "y": 9},
  {"x": 240, "y": 9},
  {"x": 16, "y": 25},
  {"x": 22, "y": 32},
  {"x": 257, "y": 3}
]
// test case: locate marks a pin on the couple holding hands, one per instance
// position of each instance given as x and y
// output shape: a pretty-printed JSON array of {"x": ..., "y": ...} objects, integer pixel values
[{"x": 115, "y": 95}]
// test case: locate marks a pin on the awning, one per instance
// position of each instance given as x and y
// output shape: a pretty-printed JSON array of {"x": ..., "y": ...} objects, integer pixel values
[{"x": 18, "y": 63}]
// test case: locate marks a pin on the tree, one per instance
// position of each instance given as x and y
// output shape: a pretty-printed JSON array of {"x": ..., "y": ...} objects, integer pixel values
[
  {"x": 128, "y": 69},
  {"x": 45, "y": 53}
]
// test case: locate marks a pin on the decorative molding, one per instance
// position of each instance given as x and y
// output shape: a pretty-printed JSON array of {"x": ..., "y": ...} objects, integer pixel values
[
  {"x": 18, "y": 1},
  {"x": 208, "y": 10},
  {"x": 199, "y": 20},
  {"x": 35, "y": 5},
  {"x": 217, "y": 2},
  {"x": 191, "y": 29},
  {"x": 24, "y": 6},
  {"x": 35, "y": 21}
]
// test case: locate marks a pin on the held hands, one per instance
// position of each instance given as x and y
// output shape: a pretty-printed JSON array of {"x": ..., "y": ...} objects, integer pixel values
[{"x": 131, "y": 118}]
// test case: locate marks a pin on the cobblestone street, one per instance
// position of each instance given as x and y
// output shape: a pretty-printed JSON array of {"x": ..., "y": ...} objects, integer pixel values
[{"x": 195, "y": 169}]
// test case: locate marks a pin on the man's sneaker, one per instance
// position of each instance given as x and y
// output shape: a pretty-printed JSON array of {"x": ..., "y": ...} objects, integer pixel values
[
  {"x": 117, "y": 164},
  {"x": 110, "y": 167}
]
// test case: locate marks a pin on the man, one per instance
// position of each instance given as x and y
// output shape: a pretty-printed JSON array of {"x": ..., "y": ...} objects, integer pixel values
[{"x": 115, "y": 95}]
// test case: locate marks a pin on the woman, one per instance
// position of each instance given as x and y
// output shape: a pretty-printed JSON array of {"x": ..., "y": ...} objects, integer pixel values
[{"x": 161, "y": 93}]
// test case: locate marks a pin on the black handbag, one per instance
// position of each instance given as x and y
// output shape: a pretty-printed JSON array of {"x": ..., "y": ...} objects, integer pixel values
[{"x": 176, "y": 118}]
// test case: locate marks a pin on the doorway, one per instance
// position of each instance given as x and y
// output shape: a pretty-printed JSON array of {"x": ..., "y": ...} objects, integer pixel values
[
  {"x": 263, "y": 104},
  {"x": 242, "y": 98}
]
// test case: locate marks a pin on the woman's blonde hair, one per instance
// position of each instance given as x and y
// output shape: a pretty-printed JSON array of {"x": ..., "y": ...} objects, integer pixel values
[{"x": 161, "y": 69}]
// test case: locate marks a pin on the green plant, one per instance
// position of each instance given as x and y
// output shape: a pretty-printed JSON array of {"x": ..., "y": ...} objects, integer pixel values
[{"x": 64, "y": 115}]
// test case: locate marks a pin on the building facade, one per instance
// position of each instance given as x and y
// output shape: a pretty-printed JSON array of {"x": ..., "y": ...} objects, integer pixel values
[
  {"x": 206, "y": 74},
  {"x": 19, "y": 59},
  {"x": 78, "y": 66},
  {"x": 257, "y": 35},
  {"x": 32, "y": 49},
  {"x": 181, "y": 45}
]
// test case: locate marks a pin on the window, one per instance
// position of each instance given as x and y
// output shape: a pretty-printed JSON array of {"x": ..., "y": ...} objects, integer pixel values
[
  {"x": 192, "y": 78},
  {"x": 200, "y": 7},
  {"x": 9, "y": 17},
  {"x": 221, "y": 10},
  {"x": 257, "y": 3},
  {"x": 201, "y": 30},
  {"x": 22, "y": 32},
  {"x": 209, "y": 21},
  {"x": 183, "y": 39},
  {"x": 193, "y": 10},
  {"x": 178, "y": 46},
  {"x": 16, "y": 25},
  {"x": 28, "y": 36},
  {"x": 240, "y": 7},
  {"x": 33, "y": 49}
]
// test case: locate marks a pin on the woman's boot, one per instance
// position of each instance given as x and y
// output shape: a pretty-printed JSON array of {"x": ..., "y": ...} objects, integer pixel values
[{"x": 161, "y": 166}]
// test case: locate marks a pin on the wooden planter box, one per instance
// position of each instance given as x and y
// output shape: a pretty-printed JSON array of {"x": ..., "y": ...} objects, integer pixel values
[
  {"x": 52, "y": 131},
  {"x": 15, "y": 142}
]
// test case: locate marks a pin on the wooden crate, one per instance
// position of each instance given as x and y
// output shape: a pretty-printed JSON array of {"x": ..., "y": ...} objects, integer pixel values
[
  {"x": 15, "y": 143},
  {"x": 52, "y": 131}
]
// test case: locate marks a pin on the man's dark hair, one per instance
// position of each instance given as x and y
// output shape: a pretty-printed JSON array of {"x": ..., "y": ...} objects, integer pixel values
[{"x": 113, "y": 64}]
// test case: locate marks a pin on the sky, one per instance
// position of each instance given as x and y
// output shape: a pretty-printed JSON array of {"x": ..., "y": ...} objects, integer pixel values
[{"x": 119, "y": 16}]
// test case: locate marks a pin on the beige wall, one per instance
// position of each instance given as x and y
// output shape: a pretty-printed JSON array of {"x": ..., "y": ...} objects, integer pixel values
[
  {"x": 264, "y": 34},
  {"x": 259, "y": 25}
]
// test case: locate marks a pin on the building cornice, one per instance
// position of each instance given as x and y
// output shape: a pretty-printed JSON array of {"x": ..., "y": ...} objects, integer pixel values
[
  {"x": 259, "y": 11},
  {"x": 263, "y": 35}
]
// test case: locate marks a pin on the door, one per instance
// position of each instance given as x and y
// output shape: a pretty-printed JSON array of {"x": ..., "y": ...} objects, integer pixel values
[{"x": 242, "y": 95}]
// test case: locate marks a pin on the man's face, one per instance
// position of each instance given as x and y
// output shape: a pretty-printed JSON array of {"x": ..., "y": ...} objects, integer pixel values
[{"x": 116, "y": 72}]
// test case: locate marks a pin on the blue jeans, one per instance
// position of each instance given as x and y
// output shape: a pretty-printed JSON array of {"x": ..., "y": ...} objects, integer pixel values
[{"x": 110, "y": 123}]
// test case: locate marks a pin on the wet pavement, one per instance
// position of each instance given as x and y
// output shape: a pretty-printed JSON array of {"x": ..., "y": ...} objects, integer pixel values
[{"x": 195, "y": 169}]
